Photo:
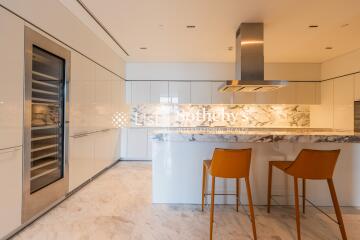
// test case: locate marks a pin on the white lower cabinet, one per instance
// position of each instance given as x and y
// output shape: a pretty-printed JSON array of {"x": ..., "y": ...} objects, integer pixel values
[
  {"x": 90, "y": 154},
  {"x": 137, "y": 144},
  {"x": 81, "y": 160},
  {"x": 11, "y": 190},
  {"x": 102, "y": 152}
]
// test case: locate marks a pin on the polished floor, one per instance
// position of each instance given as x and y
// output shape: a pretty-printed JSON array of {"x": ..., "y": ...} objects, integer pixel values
[{"x": 117, "y": 205}]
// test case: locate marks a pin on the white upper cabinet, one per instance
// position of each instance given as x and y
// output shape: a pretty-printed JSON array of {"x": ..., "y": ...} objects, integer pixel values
[
  {"x": 179, "y": 92},
  {"x": 307, "y": 93},
  {"x": 82, "y": 95},
  {"x": 287, "y": 94},
  {"x": 244, "y": 98},
  {"x": 140, "y": 92},
  {"x": 11, "y": 88},
  {"x": 159, "y": 92},
  {"x": 102, "y": 98},
  {"x": 201, "y": 92},
  {"x": 219, "y": 97},
  {"x": 128, "y": 92},
  {"x": 269, "y": 97},
  {"x": 344, "y": 103},
  {"x": 117, "y": 94},
  {"x": 357, "y": 87}
]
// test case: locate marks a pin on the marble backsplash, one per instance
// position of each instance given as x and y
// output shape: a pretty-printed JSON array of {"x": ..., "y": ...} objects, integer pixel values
[{"x": 220, "y": 115}]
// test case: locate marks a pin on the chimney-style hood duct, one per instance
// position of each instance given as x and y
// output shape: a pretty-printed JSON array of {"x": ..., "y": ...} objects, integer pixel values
[{"x": 250, "y": 62}]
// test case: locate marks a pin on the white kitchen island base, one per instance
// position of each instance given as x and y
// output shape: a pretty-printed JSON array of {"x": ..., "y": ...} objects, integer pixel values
[{"x": 177, "y": 170}]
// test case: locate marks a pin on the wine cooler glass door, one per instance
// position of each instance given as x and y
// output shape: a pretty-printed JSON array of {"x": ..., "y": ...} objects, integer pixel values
[
  {"x": 47, "y": 119},
  {"x": 45, "y": 133}
]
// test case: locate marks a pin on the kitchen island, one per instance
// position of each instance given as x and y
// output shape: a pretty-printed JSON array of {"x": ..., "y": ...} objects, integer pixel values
[{"x": 178, "y": 154}]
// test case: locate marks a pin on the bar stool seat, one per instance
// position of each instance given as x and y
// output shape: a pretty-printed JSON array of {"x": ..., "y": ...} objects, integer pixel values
[
  {"x": 314, "y": 165},
  {"x": 228, "y": 163},
  {"x": 282, "y": 165}
]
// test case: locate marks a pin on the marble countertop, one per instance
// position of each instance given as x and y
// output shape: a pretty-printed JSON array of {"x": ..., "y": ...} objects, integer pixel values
[{"x": 255, "y": 135}]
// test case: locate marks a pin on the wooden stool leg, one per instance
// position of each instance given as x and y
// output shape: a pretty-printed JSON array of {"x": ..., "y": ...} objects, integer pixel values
[
  {"x": 212, "y": 206},
  {"x": 251, "y": 207},
  {"x": 269, "y": 187},
  {"x": 237, "y": 194},
  {"x": 304, "y": 194},
  {"x": 203, "y": 188},
  {"x": 296, "y": 189},
  {"x": 337, "y": 208}
]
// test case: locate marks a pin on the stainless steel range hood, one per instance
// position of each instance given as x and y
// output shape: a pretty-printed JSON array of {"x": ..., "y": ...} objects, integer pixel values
[{"x": 250, "y": 62}]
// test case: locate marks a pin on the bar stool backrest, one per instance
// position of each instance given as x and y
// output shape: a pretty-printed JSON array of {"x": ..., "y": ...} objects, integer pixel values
[
  {"x": 231, "y": 163},
  {"x": 314, "y": 164}
]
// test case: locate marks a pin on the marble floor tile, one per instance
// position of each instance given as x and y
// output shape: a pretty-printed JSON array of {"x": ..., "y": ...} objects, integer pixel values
[{"x": 117, "y": 205}]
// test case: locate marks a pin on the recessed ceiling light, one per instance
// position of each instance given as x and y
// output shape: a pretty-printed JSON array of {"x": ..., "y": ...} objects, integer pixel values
[
  {"x": 329, "y": 48},
  {"x": 190, "y": 26},
  {"x": 313, "y": 26},
  {"x": 143, "y": 48}
]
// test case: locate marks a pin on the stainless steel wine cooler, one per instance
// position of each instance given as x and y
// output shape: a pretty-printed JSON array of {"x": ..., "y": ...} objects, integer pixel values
[{"x": 45, "y": 172}]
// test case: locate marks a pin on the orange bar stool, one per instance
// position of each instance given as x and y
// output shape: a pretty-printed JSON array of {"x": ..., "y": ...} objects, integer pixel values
[
  {"x": 228, "y": 163},
  {"x": 310, "y": 164}
]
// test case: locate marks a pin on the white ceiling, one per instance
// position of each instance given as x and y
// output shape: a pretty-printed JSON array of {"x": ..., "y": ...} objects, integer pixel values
[{"x": 160, "y": 25}]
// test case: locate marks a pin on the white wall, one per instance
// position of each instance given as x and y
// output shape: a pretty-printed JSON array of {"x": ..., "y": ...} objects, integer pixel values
[
  {"x": 54, "y": 18},
  {"x": 218, "y": 71},
  {"x": 342, "y": 65}
]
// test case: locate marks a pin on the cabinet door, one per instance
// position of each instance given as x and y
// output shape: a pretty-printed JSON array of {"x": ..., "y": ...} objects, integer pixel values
[
  {"x": 102, "y": 98},
  {"x": 179, "y": 92},
  {"x": 128, "y": 92},
  {"x": 116, "y": 138},
  {"x": 344, "y": 103},
  {"x": 140, "y": 92},
  {"x": 245, "y": 98},
  {"x": 269, "y": 97},
  {"x": 81, "y": 160},
  {"x": 117, "y": 96},
  {"x": 200, "y": 92},
  {"x": 102, "y": 152},
  {"x": 219, "y": 97},
  {"x": 357, "y": 87},
  {"x": 306, "y": 92},
  {"x": 11, "y": 190},
  {"x": 159, "y": 92},
  {"x": 11, "y": 89},
  {"x": 322, "y": 116},
  {"x": 137, "y": 144},
  {"x": 82, "y": 95},
  {"x": 287, "y": 95}
]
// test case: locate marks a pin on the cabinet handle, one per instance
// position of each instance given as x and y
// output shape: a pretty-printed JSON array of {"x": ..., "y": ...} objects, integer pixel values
[
  {"x": 10, "y": 150},
  {"x": 80, "y": 135}
]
